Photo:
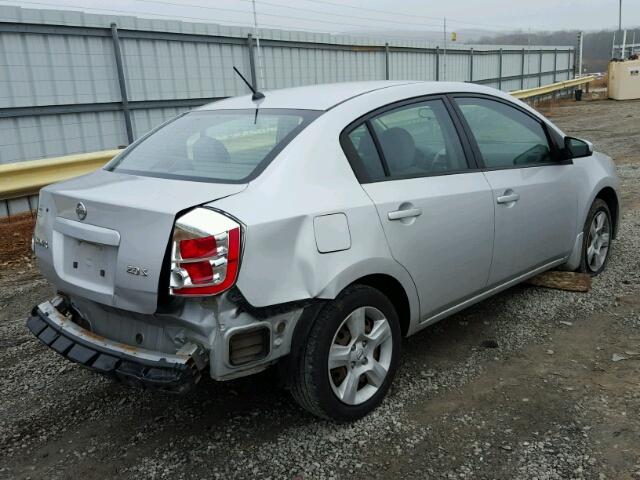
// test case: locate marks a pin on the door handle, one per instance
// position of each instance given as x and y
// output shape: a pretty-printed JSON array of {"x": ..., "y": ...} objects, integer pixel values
[
  {"x": 404, "y": 213},
  {"x": 512, "y": 197}
]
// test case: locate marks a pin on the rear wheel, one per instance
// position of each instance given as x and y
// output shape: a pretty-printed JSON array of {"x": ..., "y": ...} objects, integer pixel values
[
  {"x": 350, "y": 356},
  {"x": 596, "y": 238}
]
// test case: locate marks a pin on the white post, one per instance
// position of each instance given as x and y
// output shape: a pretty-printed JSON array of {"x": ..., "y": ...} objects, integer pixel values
[
  {"x": 580, "y": 43},
  {"x": 444, "y": 52},
  {"x": 255, "y": 34},
  {"x": 624, "y": 44}
]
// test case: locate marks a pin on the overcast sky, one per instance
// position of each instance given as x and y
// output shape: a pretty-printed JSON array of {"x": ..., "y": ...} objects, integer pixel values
[{"x": 366, "y": 15}]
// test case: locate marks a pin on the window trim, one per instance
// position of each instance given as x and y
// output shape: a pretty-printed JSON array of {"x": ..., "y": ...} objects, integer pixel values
[
  {"x": 359, "y": 169},
  {"x": 558, "y": 158},
  {"x": 376, "y": 142}
]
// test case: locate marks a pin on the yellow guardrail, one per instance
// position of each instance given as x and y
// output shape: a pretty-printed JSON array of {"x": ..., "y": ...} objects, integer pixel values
[
  {"x": 554, "y": 87},
  {"x": 27, "y": 178}
]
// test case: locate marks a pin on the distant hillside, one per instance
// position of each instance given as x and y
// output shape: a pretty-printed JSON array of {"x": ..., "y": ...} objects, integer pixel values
[
  {"x": 596, "y": 51},
  {"x": 595, "y": 56}
]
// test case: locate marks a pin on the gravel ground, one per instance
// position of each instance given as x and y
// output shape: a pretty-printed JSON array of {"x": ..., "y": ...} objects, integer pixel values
[{"x": 558, "y": 397}]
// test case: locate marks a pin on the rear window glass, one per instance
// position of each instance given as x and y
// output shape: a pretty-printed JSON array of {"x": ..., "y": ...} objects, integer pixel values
[{"x": 214, "y": 145}]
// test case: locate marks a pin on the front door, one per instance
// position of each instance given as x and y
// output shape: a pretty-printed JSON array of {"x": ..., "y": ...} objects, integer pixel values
[{"x": 534, "y": 193}]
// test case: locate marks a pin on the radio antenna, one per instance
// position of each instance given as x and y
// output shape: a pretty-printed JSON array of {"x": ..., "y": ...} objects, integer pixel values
[{"x": 256, "y": 94}]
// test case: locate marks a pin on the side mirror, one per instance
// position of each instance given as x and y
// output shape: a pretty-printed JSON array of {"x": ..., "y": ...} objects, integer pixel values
[{"x": 576, "y": 148}]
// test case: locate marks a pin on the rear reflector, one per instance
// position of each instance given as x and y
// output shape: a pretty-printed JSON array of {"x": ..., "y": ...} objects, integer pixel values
[{"x": 205, "y": 253}]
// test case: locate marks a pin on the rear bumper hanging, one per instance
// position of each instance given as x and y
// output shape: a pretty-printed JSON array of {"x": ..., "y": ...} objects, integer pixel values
[{"x": 176, "y": 373}]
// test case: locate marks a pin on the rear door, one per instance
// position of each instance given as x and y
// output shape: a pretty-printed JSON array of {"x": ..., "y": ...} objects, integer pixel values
[
  {"x": 435, "y": 208},
  {"x": 534, "y": 192}
]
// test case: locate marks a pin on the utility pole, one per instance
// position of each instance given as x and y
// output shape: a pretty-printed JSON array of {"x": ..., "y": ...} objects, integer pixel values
[
  {"x": 255, "y": 34},
  {"x": 619, "y": 28},
  {"x": 528, "y": 49},
  {"x": 444, "y": 51},
  {"x": 620, "y": 18}
]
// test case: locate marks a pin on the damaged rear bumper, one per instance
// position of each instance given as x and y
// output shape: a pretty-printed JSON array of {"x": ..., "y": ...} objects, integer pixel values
[{"x": 176, "y": 373}]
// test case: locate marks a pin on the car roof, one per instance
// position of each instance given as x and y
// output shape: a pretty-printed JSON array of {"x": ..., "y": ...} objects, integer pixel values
[{"x": 326, "y": 96}]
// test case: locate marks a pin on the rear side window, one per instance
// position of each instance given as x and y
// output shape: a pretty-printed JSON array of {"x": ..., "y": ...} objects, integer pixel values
[
  {"x": 366, "y": 150},
  {"x": 419, "y": 139},
  {"x": 506, "y": 137},
  {"x": 214, "y": 145}
]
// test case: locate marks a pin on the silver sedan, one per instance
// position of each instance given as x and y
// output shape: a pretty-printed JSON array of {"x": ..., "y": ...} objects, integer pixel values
[{"x": 312, "y": 229}]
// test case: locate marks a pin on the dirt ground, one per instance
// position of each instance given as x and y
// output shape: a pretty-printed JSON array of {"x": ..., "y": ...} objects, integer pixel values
[
  {"x": 558, "y": 397},
  {"x": 15, "y": 237}
]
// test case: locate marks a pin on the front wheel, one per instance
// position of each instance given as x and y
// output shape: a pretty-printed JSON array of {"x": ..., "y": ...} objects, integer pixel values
[
  {"x": 350, "y": 356},
  {"x": 596, "y": 241}
]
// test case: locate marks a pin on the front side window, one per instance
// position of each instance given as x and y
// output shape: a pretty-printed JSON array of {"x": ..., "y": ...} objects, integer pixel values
[
  {"x": 506, "y": 137},
  {"x": 419, "y": 139},
  {"x": 214, "y": 145}
]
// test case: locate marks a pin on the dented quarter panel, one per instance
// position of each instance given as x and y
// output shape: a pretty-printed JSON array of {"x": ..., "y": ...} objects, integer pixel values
[{"x": 281, "y": 262}]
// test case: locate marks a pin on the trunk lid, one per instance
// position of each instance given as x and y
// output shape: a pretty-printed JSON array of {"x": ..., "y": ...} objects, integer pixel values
[{"x": 104, "y": 236}]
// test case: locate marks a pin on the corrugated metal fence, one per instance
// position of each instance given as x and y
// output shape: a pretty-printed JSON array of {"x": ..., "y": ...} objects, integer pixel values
[{"x": 73, "y": 82}]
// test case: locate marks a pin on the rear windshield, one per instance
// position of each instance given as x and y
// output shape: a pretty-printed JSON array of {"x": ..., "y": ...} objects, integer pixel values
[{"x": 230, "y": 146}]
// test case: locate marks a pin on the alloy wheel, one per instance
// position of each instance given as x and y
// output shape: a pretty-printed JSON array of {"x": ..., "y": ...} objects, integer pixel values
[
  {"x": 360, "y": 355},
  {"x": 598, "y": 241}
]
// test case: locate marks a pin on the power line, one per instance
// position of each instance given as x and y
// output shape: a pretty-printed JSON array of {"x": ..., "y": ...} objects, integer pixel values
[
  {"x": 388, "y": 12},
  {"x": 306, "y": 19},
  {"x": 394, "y": 33},
  {"x": 242, "y": 23},
  {"x": 164, "y": 16},
  {"x": 340, "y": 15}
]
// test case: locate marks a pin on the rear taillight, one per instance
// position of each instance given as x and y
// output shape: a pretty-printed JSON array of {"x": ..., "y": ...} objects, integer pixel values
[{"x": 205, "y": 253}]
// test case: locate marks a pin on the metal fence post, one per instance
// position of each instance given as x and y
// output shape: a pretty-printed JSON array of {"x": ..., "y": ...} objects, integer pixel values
[
  {"x": 252, "y": 61},
  {"x": 555, "y": 65},
  {"x": 540, "y": 69},
  {"x": 500, "y": 69},
  {"x": 124, "y": 100},
  {"x": 569, "y": 65},
  {"x": 471, "y": 65},
  {"x": 524, "y": 54},
  {"x": 386, "y": 60},
  {"x": 437, "y": 64}
]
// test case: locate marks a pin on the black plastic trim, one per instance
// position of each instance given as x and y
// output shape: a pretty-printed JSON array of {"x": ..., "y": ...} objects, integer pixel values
[
  {"x": 154, "y": 375},
  {"x": 235, "y": 296}
]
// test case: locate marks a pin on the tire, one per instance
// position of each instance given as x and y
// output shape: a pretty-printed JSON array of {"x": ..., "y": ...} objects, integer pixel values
[
  {"x": 596, "y": 241},
  {"x": 329, "y": 393}
]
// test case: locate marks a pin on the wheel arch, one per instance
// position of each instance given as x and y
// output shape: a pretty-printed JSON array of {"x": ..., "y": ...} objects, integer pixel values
[
  {"x": 609, "y": 196},
  {"x": 390, "y": 278},
  {"x": 395, "y": 292}
]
